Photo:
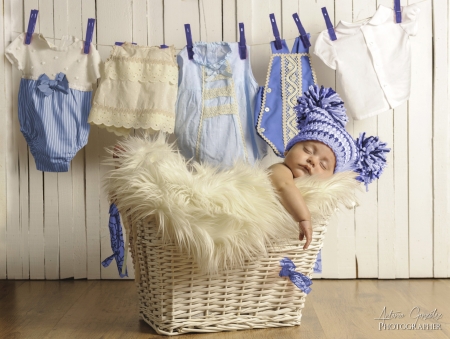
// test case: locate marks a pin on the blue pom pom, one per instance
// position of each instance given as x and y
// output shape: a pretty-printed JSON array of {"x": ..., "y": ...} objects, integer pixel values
[
  {"x": 324, "y": 98},
  {"x": 371, "y": 158}
]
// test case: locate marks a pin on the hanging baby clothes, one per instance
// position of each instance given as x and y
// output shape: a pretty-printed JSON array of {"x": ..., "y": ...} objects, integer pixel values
[
  {"x": 54, "y": 97},
  {"x": 214, "y": 118},
  {"x": 139, "y": 90},
  {"x": 289, "y": 75},
  {"x": 372, "y": 59}
]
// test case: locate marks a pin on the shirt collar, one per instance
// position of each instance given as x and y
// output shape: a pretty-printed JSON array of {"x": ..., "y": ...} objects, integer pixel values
[{"x": 382, "y": 14}]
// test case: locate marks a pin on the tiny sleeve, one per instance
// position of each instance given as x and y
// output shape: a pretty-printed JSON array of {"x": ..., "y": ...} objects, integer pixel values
[
  {"x": 325, "y": 50},
  {"x": 16, "y": 52},
  {"x": 410, "y": 19},
  {"x": 94, "y": 64}
]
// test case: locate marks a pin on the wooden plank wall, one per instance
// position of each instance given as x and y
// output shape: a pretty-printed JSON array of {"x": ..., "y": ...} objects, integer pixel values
[{"x": 55, "y": 225}]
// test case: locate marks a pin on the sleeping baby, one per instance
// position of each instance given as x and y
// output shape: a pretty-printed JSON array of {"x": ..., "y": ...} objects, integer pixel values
[{"x": 321, "y": 148}]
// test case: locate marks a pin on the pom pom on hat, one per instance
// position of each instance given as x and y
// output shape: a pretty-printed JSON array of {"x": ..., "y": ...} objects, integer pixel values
[
  {"x": 316, "y": 99},
  {"x": 371, "y": 158}
]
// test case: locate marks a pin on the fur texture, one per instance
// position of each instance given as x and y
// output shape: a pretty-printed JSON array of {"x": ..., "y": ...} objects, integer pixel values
[{"x": 219, "y": 218}]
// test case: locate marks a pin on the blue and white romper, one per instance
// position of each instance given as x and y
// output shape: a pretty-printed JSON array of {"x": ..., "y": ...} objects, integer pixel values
[
  {"x": 289, "y": 75},
  {"x": 54, "y": 97},
  {"x": 214, "y": 121}
]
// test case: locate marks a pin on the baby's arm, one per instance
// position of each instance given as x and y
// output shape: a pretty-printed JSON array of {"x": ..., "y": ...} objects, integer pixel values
[{"x": 291, "y": 198}]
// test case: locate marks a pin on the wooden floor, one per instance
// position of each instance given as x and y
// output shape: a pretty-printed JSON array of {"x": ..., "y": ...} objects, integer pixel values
[{"x": 109, "y": 309}]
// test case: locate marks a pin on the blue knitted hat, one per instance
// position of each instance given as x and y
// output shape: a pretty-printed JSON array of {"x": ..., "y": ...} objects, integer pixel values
[{"x": 321, "y": 116}]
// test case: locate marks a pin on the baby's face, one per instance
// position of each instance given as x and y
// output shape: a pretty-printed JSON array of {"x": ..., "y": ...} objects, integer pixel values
[{"x": 310, "y": 157}]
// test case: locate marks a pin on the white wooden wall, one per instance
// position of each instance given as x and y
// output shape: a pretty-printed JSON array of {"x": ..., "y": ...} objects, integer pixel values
[{"x": 55, "y": 225}]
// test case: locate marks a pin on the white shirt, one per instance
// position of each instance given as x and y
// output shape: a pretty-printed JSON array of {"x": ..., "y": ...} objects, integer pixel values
[
  {"x": 42, "y": 56},
  {"x": 372, "y": 59}
]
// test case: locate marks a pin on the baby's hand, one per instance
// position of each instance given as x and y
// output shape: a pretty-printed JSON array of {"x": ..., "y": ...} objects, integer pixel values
[{"x": 305, "y": 229}]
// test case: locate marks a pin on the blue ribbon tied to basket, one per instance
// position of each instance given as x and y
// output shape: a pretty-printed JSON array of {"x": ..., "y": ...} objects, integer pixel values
[
  {"x": 299, "y": 279},
  {"x": 117, "y": 243}
]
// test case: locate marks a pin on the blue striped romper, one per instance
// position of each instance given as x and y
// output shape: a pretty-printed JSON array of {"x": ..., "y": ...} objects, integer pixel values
[{"x": 54, "y": 97}]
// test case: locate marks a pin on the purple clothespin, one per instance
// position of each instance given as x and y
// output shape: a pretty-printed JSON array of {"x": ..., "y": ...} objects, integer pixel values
[
  {"x": 301, "y": 30},
  {"x": 164, "y": 46},
  {"x": 329, "y": 24},
  {"x": 187, "y": 29},
  {"x": 89, "y": 34},
  {"x": 276, "y": 33},
  {"x": 31, "y": 25},
  {"x": 118, "y": 43},
  {"x": 242, "y": 46},
  {"x": 398, "y": 11}
]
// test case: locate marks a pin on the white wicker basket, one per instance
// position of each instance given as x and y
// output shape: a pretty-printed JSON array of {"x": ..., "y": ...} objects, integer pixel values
[{"x": 174, "y": 298}]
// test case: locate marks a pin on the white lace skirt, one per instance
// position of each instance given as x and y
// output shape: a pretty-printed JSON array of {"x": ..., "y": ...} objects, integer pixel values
[{"x": 138, "y": 90}]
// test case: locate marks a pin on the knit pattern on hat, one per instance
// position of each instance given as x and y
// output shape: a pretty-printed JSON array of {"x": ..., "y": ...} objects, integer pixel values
[{"x": 321, "y": 116}]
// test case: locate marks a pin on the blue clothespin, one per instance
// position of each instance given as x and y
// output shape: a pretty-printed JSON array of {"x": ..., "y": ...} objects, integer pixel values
[
  {"x": 164, "y": 46},
  {"x": 275, "y": 31},
  {"x": 31, "y": 25},
  {"x": 242, "y": 46},
  {"x": 189, "y": 45},
  {"x": 301, "y": 30},
  {"x": 89, "y": 34},
  {"x": 329, "y": 24},
  {"x": 398, "y": 11},
  {"x": 118, "y": 43}
]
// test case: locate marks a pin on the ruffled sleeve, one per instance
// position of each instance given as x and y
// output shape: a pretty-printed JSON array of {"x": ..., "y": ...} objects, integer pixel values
[
  {"x": 325, "y": 50},
  {"x": 410, "y": 19},
  {"x": 16, "y": 52}
]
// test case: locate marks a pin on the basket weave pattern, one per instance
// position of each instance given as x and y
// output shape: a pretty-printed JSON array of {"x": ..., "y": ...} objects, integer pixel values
[{"x": 175, "y": 298}]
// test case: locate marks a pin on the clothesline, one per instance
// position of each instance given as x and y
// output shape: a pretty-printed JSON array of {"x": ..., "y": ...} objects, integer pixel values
[
  {"x": 260, "y": 44},
  {"x": 178, "y": 49}
]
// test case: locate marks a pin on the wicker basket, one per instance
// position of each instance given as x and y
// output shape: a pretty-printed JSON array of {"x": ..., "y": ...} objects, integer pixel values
[{"x": 174, "y": 298}]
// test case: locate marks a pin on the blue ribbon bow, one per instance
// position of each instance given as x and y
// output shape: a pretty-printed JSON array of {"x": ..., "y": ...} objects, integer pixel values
[
  {"x": 117, "y": 244},
  {"x": 47, "y": 86},
  {"x": 211, "y": 72},
  {"x": 299, "y": 279}
]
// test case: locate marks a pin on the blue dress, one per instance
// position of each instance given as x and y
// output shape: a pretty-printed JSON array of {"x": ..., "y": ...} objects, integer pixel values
[
  {"x": 215, "y": 106},
  {"x": 288, "y": 77}
]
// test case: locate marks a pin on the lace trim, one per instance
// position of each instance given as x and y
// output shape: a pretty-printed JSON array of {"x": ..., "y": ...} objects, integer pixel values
[
  {"x": 291, "y": 90},
  {"x": 147, "y": 72},
  {"x": 119, "y": 131},
  {"x": 118, "y": 118},
  {"x": 212, "y": 93},
  {"x": 312, "y": 70},
  {"x": 214, "y": 111},
  {"x": 142, "y": 60}
]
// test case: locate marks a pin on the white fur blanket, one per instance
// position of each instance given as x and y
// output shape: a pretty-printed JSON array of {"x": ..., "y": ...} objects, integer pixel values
[{"x": 219, "y": 218}]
